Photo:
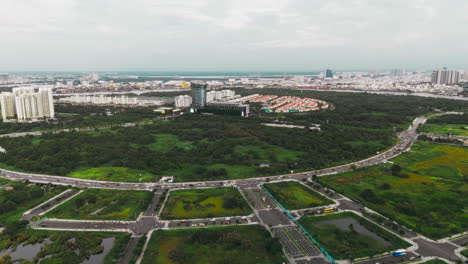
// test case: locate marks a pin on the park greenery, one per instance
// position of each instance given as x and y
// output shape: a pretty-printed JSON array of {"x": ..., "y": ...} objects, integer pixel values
[
  {"x": 200, "y": 147},
  {"x": 348, "y": 236},
  {"x": 66, "y": 247},
  {"x": 447, "y": 124},
  {"x": 464, "y": 252},
  {"x": 203, "y": 203},
  {"x": 104, "y": 204},
  {"x": 216, "y": 245},
  {"x": 425, "y": 189},
  {"x": 18, "y": 197},
  {"x": 293, "y": 195},
  {"x": 435, "y": 261}
]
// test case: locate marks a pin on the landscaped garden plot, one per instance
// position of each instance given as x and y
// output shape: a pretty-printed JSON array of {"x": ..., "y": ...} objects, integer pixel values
[
  {"x": 425, "y": 188},
  {"x": 234, "y": 245},
  {"x": 51, "y": 247},
  {"x": 203, "y": 203},
  {"x": 346, "y": 235},
  {"x": 293, "y": 195},
  {"x": 104, "y": 204}
]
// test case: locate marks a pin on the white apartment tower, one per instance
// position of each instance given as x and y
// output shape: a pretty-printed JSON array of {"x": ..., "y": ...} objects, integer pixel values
[
  {"x": 444, "y": 76},
  {"x": 27, "y": 105}
]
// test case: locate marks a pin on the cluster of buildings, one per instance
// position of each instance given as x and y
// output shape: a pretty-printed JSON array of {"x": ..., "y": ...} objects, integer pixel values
[
  {"x": 26, "y": 104},
  {"x": 445, "y": 76},
  {"x": 100, "y": 100},
  {"x": 274, "y": 103}
]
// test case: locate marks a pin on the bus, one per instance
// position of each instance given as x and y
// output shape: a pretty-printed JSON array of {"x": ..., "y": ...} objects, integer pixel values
[
  {"x": 399, "y": 252},
  {"x": 329, "y": 210}
]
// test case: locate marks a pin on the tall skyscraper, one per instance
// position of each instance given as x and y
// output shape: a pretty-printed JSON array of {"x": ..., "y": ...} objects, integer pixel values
[
  {"x": 328, "y": 73},
  {"x": 26, "y": 105},
  {"x": 444, "y": 76},
  {"x": 198, "y": 94}
]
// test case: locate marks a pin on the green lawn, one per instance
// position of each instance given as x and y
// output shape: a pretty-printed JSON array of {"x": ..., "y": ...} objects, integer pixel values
[
  {"x": 293, "y": 195},
  {"x": 166, "y": 142},
  {"x": 215, "y": 245},
  {"x": 427, "y": 195},
  {"x": 465, "y": 252},
  {"x": 104, "y": 204},
  {"x": 70, "y": 247},
  {"x": 203, "y": 203},
  {"x": 114, "y": 174},
  {"x": 456, "y": 129},
  {"x": 346, "y": 235},
  {"x": 15, "y": 202}
]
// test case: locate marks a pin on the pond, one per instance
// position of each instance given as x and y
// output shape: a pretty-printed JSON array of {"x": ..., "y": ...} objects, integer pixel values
[
  {"x": 344, "y": 225},
  {"x": 107, "y": 243},
  {"x": 22, "y": 251}
]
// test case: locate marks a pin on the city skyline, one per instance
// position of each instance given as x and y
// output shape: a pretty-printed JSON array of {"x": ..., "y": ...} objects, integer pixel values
[{"x": 204, "y": 35}]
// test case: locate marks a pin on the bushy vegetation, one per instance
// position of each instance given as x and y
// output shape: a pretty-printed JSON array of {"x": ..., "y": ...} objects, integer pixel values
[
  {"x": 293, "y": 195},
  {"x": 234, "y": 245},
  {"x": 424, "y": 189},
  {"x": 203, "y": 203},
  {"x": 104, "y": 204},
  {"x": 14, "y": 202},
  {"x": 435, "y": 261},
  {"x": 349, "y": 241}
]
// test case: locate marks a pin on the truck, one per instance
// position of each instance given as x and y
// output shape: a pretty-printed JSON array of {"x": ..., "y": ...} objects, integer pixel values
[{"x": 399, "y": 252}]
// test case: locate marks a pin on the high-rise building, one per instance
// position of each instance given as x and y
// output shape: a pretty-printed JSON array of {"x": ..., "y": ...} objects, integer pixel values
[
  {"x": 26, "y": 105},
  {"x": 328, "y": 73},
  {"x": 183, "y": 101},
  {"x": 198, "y": 94},
  {"x": 445, "y": 76},
  {"x": 7, "y": 102}
]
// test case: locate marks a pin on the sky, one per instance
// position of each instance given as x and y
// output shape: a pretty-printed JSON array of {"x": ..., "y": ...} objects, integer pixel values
[{"x": 232, "y": 35}]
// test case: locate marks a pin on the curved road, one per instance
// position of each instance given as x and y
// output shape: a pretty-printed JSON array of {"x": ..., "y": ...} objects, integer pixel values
[{"x": 407, "y": 138}]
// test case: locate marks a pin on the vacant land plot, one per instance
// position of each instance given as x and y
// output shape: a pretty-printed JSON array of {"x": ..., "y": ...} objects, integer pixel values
[
  {"x": 293, "y": 195},
  {"x": 234, "y": 245},
  {"x": 202, "y": 203},
  {"x": 104, "y": 204},
  {"x": 425, "y": 189},
  {"x": 347, "y": 235},
  {"x": 167, "y": 142},
  {"x": 121, "y": 174}
]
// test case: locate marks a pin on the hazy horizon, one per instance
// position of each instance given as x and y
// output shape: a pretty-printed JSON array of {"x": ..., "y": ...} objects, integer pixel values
[{"x": 245, "y": 36}]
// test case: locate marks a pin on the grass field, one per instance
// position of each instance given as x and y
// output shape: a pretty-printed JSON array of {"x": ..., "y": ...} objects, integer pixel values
[
  {"x": 104, "y": 204},
  {"x": 293, "y": 195},
  {"x": 15, "y": 202},
  {"x": 216, "y": 245},
  {"x": 346, "y": 235},
  {"x": 167, "y": 142},
  {"x": 464, "y": 252},
  {"x": 456, "y": 129},
  {"x": 203, "y": 203},
  {"x": 69, "y": 247},
  {"x": 428, "y": 195},
  {"x": 114, "y": 174}
]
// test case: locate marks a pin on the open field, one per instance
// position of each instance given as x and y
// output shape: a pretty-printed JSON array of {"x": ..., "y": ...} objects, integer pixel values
[
  {"x": 51, "y": 247},
  {"x": 121, "y": 174},
  {"x": 453, "y": 124},
  {"x": 203, "y": 203},
  {"x": 167, "y": 142},
  {"x": 424, "y": 189},
  {"x": 216, "y": 245},
  {"x": 13, "y": 203},
  {"x": 293, "y": 195},
  {"x": 346, "y": 235},
  {"x": 104, "y": 204}
]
